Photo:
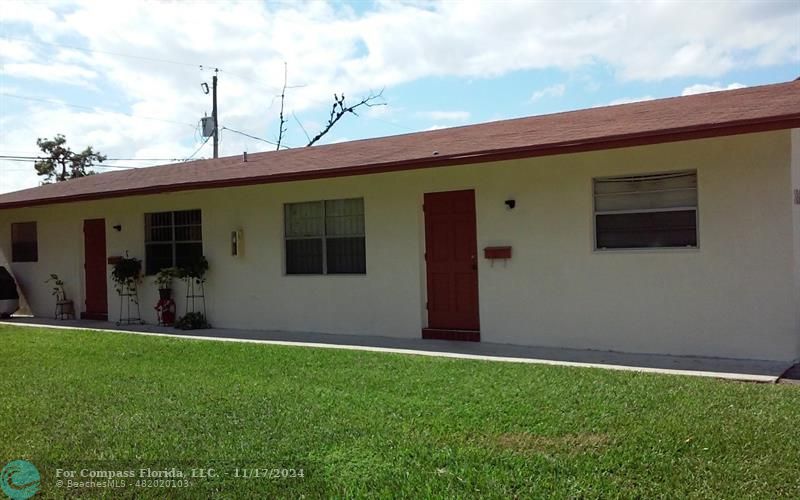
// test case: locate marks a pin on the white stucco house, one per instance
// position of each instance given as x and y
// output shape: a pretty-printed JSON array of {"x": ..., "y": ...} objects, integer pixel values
[{"x": 670, "y": 226}]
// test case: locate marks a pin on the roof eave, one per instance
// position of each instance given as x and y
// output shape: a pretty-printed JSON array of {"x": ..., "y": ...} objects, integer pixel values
[{"x": 486, "y": 156}]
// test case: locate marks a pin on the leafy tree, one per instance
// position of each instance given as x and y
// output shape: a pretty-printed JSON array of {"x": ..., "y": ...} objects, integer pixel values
[{"x": 61, "y": 163}]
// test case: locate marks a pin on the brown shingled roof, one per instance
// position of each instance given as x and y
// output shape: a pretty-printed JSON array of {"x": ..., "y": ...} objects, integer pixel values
[{"x": 753, "y": 109}]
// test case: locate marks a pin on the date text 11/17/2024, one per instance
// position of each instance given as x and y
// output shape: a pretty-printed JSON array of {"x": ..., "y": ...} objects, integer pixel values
[
  {"x": 248, "y": 473},
  {"x": 273, "y": 473}
]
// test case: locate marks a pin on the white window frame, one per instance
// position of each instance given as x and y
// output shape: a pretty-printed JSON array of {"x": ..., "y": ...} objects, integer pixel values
[
  {"x": 324, "y": 236},
  {"x": 173, "y": 242},
  {"x": 596, "y": 212}
]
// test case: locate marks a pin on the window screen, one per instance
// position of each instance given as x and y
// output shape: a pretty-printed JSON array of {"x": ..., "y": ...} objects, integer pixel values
[
  {"x": 646, "y": 211},
  {"x": 325, "y": 237},
  {"x": 24, "y": 242},
  {"x": 172, "y": 239}
]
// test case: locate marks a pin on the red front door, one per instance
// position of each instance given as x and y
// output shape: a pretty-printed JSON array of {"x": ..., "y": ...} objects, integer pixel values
[
  {"x": 452, "y": 265},
  {"x": 94, "y": 244}
]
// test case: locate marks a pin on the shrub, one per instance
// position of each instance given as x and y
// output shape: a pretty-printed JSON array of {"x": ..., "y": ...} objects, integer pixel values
[{"x": 192, "y": 321}]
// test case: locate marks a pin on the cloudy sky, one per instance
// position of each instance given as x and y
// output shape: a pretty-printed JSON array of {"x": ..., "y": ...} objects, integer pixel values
[{"x": 125, "y": 77}]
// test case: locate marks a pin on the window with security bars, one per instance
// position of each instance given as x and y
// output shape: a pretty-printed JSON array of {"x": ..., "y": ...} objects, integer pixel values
[
  {"x": 646, "y": 211},
  {"x": 24, "y": 242},
  {"x": 325, "y": 237},
  {"x": 172, "y": 239}
]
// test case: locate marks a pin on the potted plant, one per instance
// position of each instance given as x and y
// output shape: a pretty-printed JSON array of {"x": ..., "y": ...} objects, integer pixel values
[
  {"x": 195, "y": 270},
  {"x": 127, "y": 273},
  {"x": 58, "y": 287},
  {"x": 194, "y": 275},
  {"x": 64, "y": 307},
  {"x": 164, "y": 282},
  {"x": 165, "y": 308}
]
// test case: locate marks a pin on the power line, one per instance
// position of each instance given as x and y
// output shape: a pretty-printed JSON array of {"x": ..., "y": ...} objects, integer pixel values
[
  {"x": 11, "y": 157},
  {"x": 145, "y": 58},
  {"x": 254, "y": 137},
  {"x": 78, "y": 106},
  {"x": 33, "y": 159},
  {"x": 165, "y": 61},
  {"x": 106, "y": 52},
  {"x": 198, "y": 149},
  {"x": 270, "y": 86},
  {"x": 93, "y": 166}
]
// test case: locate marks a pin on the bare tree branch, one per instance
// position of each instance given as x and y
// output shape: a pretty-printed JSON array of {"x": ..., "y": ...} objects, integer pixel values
[
  {"x": 281, "y": 125},
  {"x": 339, "y": 109}
]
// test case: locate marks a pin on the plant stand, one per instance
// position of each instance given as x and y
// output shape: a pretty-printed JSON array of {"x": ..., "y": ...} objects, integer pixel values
[
  {"x": 129, "y": 315},
  {"x": 195, "y": 296},
  {"x": 65, "y": 309}
]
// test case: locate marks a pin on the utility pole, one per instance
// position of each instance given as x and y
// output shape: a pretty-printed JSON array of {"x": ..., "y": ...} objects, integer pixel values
[{"x": 214, "y": 113}]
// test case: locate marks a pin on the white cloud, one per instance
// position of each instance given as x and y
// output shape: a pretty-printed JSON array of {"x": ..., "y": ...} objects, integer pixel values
[
  {"x": 405, "y": 41},
  {"x": 331, "y": 48},
  {"x": 451, "y": 116},
  {"x": 56, "y": 72},
  {"x": 701, "y": 88},
  {"x": 551, "y": 91},
  {"x": 37, "y": 13},
  {"x": 113, "y": 134},
  {"x": 14, "y": 51}
]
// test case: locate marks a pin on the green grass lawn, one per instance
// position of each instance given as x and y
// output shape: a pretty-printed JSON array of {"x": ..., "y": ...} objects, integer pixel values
[{"x": 375, "y": 424}]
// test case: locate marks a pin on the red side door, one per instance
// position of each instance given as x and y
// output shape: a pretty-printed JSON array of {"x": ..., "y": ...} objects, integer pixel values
[
  {"x": 94, "y": 244},
  {"x": 451, "y": 261}
]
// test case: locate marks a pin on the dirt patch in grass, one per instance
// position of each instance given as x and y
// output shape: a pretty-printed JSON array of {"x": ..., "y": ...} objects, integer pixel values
[{"x": 524, "y": 442}]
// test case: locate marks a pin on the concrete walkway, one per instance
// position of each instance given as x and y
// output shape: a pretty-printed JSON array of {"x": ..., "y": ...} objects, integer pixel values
[{"x": 733, "y": 369}]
